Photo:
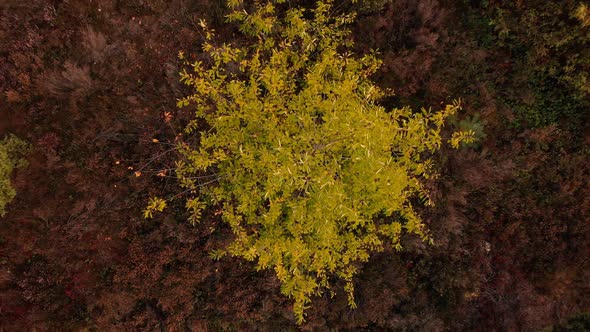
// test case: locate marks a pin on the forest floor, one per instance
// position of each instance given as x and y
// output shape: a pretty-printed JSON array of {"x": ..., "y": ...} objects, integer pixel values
[{"x": 92, "y": 85}]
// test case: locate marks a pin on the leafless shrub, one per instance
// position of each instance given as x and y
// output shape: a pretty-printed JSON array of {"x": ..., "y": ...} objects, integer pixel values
[
  {"x": 49, "y": 13},
  {"x": 411, "y": 35},
  {"x": 73, "y": 81},
  {"x": 18, "y": 4},
  {"x": 95, "y": 44}
]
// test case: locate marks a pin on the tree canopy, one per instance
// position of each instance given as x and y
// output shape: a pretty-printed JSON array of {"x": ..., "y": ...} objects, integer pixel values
[
  {"x": 292, "y": 147},
  {"x": 11, "y": 150}
]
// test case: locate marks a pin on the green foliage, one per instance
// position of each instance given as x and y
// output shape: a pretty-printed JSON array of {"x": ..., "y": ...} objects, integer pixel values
[
  {"x": 12, "y": 150},
  {"x": 549, "y": 40},
  {"x": 371, "y": 6},
  {"x": 311, "y": 174},
  {"x": 548, "y": 101},
  {"x": 155, "y": 204},
  {"x": 580, "y": 322},
  {"x": 471, "y": 124},
  {"x": 478, "y": 24}
]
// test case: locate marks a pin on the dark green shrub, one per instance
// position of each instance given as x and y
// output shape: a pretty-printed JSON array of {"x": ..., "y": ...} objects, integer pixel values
[
  {"x": 549, "y": 41},
  {"x": 471, "y": 124},
  {"x": 576, "y": 323}
]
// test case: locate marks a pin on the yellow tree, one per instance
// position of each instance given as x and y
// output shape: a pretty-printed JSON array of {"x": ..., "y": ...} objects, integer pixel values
[
  {"x": 11, "y": 151},
  {"x": 309, "y": 171}
]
